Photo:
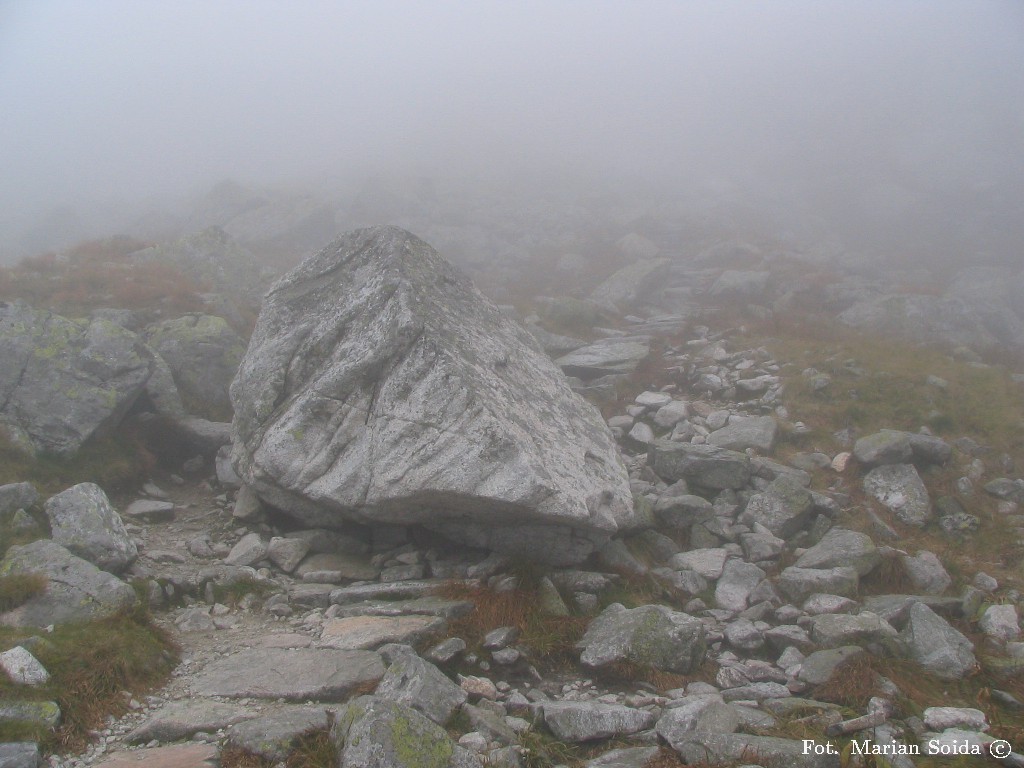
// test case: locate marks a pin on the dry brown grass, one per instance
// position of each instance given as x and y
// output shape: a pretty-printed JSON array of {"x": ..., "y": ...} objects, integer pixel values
[
  {"x": 551, "y": 640},
  {"x": 666, "y": 758},
  {"x": 98, "y": 274},
  {"x": 851, "y": 685}
]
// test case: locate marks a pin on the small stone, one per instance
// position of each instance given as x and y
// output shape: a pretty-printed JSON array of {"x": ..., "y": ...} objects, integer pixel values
[{"x": 22, "y": 667}]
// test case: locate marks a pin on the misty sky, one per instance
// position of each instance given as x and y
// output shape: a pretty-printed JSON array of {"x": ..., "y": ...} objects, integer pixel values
[{"x": 115, "y": 102}]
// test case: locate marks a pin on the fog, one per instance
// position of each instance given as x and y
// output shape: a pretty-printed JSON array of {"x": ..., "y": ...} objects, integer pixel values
[{"x": 895, "y": 127}]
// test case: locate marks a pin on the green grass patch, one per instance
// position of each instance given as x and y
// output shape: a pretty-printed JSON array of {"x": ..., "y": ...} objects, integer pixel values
[
  {"x": 113, "y": 462},
  {"x": 18, "y": 588},
  {"x": 94, "y": 667},
  {"x": 882, "y": 383}
]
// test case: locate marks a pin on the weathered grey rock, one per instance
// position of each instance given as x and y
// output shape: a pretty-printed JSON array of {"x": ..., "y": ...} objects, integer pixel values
[
  {"x": 707, "y": 562},
  {"x": 1006, "y": 489},
  {"x": 651, "y": 635},
  {"x": 163, "y": 392},
  {"x": 1000, "y": 622},
  {"x": 641, "y": 435},
  {"x": 928, "y": 449},
  {"x": 761, "y": 546},
  {"x": 366, "y": 632},
  {"x": 398, "y": 590},
  {"x": 377, "y": 733},
  {"x": 631, "y": 284},
  {"x": 819, "y": 603},
  {"x": 704, "y": 466},
  {"x": 695, "y": 718},
  {"x": 579, "y": 721},
  {"x": 554, "y": 343},
  {"x": 784, "y": 508},
  {"x": 419, "y": 684},
  {"x": 83, "y": 521},
  {"x": 22, "y": 668},
  {"x": 736, "y": 748},
  {"x": 34, "y": 714},
  {"x": 680, "y": 512},
  {"x": 757, "y": 692},
  {"x": 926, "y": 573},
  {"x": 627, "y": 757},
  {"x": 249, "y": 549},
  {"x": 819, "y": 667},
  {"x": 831, "y": 630},
  {"x": 194, "y": 755},
  {"x": 606, "y": 357},
  {"x": 150, "y": 511},
  {"x": 423, "y": 606},
  {"x": 180, "y": 719},
  {"x": 15, "y": 496},
  {"x": 797, "y": 584},
  {"x": 380, "y": 386},
  {"x": 274, "y": 735},
  {"x": 757, "y": 432},
  {"x": 295, "y": 675},
  {"x": 76, "y": 589},
  {"x": 888, "y": 446},
  {"x": 967, "y": 718},
  {"x": 842, "y": 547},
  {"x": 20, "y": 754},
  {"x": 936, "y": 646},
  {"x": 742, "y": 635},
  {"x": 203, "y": 354},
  {"x": 738, "y": 582},
  {"x": 896, "y": 608},
  {"x": 64, "y": 381},
  {"x": 899, "y": 488},
  {"x": 286, "y": 554},
  {"x": 671, "y": 414}
]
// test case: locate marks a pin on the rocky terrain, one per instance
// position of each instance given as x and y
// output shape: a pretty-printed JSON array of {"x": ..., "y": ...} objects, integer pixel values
[{"x": 672, "y": 519}]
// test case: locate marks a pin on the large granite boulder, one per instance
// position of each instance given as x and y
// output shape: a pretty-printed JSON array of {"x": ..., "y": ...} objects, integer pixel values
[
  {"x": 381, "y": 387},
  {"x": 203, "y": 353},
  {"x": 76, "y": 590},
  {"x": 83, "y": 520},
  {"x": 63, "y": 381}
]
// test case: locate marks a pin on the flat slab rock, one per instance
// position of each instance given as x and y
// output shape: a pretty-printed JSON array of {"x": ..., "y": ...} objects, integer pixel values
[
  {"x": 381, "y": 387},
  {"x": 174, "y": 756},
  {"x": 301, "y": 674},
  {"x": 180, "y": 719},
  {"x": 365, "y": 632}
]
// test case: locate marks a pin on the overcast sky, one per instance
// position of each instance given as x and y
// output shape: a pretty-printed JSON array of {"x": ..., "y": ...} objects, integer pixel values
[{"x": 103, "y": 100}]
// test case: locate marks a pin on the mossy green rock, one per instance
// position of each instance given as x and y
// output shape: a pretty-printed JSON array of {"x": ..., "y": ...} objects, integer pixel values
[
  {"x": 651, "y": 636},
  {"x": 203, "y": 353},
  {"x": 376, "y": 733},
  {"x": 63, "y": 380},
  {"x": 34, "y": 714},
  {"x": 76, "y": 589}
]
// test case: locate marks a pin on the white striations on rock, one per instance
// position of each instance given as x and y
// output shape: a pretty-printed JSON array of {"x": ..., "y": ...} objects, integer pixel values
[{"x": 380, "y": 386}]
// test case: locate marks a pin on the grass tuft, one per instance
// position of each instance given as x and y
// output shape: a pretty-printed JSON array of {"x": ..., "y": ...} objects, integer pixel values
[
  {"x": 94, "y": 668},
  {"x": 550, "y": 639},
  {"x": 18, "y": 588}
]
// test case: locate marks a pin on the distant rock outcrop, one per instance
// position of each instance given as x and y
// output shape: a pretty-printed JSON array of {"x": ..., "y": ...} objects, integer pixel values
[
  {"x": 381, "y": 386},
  {"x": 63, "y": 381}
]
